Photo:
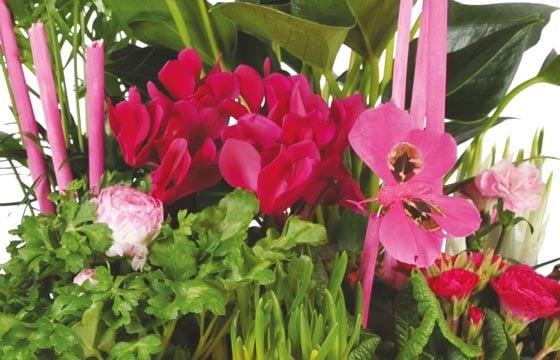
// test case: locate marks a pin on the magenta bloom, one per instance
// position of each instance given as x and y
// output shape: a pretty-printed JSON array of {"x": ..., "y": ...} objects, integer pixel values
[
  {"x": 178, "y": 133},
  {"x": 409, "y": 160},
  {"x": 454, "y": 284}
]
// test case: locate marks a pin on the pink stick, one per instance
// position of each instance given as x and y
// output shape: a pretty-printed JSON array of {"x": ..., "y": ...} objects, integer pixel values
[
  {"x": 369, "y": 262},
  {"x": 25, "y": 111},
  {"x": 95, "y": 85},
  {"x": 47, "y": 90},
  {"x": 437, "y": 45},
  {"x": 419, "y": 89},
  {"x": 401, "y": 53}
]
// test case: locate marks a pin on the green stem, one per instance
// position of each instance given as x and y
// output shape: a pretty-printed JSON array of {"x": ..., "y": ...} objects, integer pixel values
[
  {"x": 334, "y": 90},
  {"x": 209, "y": 29},
  {"x": 179, "y": 22},
  {"x": 507, "y": 99},
  {"x": 352, "y": 74},
  {"x": 374, "y": 85},
  {"x": 500, "y": 242},
  {"x": 541, "y": 354},
  {"x": 546, "y": 263},
  {"x": 221, "y": 334},
  {"x": 167, "y": 334},
  {"x": 388, "y": 66},
  {"x": 205, "y": 333}
]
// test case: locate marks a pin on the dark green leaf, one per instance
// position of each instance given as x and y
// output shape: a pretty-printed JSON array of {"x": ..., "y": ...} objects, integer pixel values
[
  {"x": 365, "y": 350},
  {"x": 466, "y": 130},
  {"x": 313, "y": 43},
  {"x": 550, "y": 72},
  {"x": 376, "y": 24},
  {"x": 327, "y": 12},
  {"x": 485, "y": 45},
  {"x": 497, "y": 343},
  {"x": 350, "y": 231},
  {"x": 12, "y": 149}
]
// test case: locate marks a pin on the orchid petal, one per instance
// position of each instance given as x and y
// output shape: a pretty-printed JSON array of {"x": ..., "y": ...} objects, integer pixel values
[
  {"x": 460, "y": 216},
  {"x": 439, "y": 152},
  {"x": 375, "y": 133},
  {"x": 368, "y": 264},
  {"x": 406, "y": 241}
]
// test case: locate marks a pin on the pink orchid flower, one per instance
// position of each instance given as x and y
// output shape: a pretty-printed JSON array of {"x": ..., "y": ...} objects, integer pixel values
[{"x": 415, "y": 217}]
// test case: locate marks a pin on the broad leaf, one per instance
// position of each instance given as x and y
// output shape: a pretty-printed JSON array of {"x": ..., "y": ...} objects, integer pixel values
[
  {"x": 11, "y": 149},
  {"x": 376, "y": 24},
  {"x": 327, "y": 12},
  {"x": 485, "y": 45},
  {"x": 497, "y": 343},
  {"x": 466, "y": 130},
  {"x": 313, "y": 43},
  {"x": 550, "y": 71}
]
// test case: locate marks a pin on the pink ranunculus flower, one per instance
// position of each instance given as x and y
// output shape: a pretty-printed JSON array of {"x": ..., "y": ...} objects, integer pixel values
[
  {"x": 135, "y": 219},
  {"x": 85, "y": 275},
  {"x": 519, "y": 186},
  {"x": 525, "y": 296}
]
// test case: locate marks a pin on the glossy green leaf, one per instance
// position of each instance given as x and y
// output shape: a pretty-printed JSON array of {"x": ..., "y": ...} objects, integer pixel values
[
  {"x": 550, "y": 72},
  {"x": 466, "y": 130},
  {"x": 376, "y": 24},
  {"x": 485, "y": 45},
  {"x": 497, "y": 343},
  {"x": 327, "y": 12},
  {"x": 350, "y": 231},
  {"x": 313, "y": 43}
]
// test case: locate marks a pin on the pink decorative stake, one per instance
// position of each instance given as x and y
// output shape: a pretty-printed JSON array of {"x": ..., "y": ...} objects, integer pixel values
[
  {"x": 95, "y": 85},
  {"x": 401, "y": 58},
  {"x": 25, "y": 111},
  {"x": 47, "y": 91}
]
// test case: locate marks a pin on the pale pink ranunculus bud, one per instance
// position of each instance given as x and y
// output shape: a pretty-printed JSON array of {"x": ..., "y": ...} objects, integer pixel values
[
  {"x": 519, "y": 186},
  {"x": 135, "y": 219},
  {"x": 84, "y": 275}
]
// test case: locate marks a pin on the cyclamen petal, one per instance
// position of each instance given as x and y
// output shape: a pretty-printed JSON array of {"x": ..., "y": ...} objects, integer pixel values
[{"x": 240, "y": 164}]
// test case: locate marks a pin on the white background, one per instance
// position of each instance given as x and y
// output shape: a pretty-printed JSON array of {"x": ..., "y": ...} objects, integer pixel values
[{"x": 536, "y": 108}]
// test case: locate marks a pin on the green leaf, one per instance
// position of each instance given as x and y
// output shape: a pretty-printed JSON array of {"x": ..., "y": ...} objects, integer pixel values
[
  {"x": 350, "y": 231},
  {"x": 376, "y": 25},
  {"x": 175, "y": 255},
  {"x": 550, "y": 71},
  {"x": 418, "y": 313},
  {"x": 466, "y": 130},
  {"x": 140, "y": 349},
  {"x": 86, "y": 330},
  {"x": 365, "y": 350},
  {"x": 497, "y": 343},
  {"x": 240, "y": 207},
  {"x": 313, "y": 43},
  {"x": 12, "y": 149},
  {"x": 327, "y": 12},
  {"x": 485, "y": 45}
]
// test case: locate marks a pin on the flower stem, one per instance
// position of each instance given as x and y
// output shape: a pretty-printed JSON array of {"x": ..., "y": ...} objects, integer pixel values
[
  {"x": 541, "y": 354},
  {"x": 167, "y": 334},
  {"x": 209, "y": 29},
  {"x": 179, "y": 22}
]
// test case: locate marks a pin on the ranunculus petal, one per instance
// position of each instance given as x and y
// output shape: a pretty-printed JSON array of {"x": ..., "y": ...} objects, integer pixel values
[
  {"x": 375, "y": 133},
  {"x": 240, "y": 164}
]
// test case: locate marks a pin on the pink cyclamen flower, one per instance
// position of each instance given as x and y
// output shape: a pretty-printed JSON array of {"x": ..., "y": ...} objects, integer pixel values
[
  {"x": 135, "y": 219},
  {"x": 85, "y": 275},
  {"x": 408, "y": 160},
  {"x": 519, "y": 186}
]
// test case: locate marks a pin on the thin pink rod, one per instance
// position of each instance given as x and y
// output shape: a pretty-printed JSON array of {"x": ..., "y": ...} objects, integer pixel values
[
  {"x": 437, "y": 66},
  {"x": 47, "y": 91},
  {"x": 95, "y": 86},
  {"x": 24, "y": 109},
  {"x": 420, "y": 89},
  {"x": 401, "y": 53},
  {"x": 368, "y": 265}
]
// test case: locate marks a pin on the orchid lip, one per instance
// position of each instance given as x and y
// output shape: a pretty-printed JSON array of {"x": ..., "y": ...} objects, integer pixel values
[{"x": 404, "y": 160}]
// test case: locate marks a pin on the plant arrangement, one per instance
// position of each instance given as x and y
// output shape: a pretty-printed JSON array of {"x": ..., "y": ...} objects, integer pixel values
[{"x": 211, "y": 188}]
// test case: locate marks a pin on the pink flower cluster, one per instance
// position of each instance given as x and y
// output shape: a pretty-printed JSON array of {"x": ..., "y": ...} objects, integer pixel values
[
  {"x": 285, "y": 145},
  {"x": 518, "y": 186}
]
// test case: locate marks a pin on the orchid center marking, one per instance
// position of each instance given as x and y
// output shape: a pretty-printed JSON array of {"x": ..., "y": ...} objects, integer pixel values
[
  {"x": 420, "y": 212},
  {"x": 405, "y": 161}
]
